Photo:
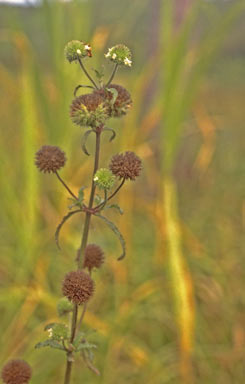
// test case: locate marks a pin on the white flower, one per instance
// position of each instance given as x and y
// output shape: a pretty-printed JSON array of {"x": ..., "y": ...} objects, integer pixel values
[
  {"x": 79, "y": 52},
  {"x": 96, "y": 178},
  {"x": 87, "y": 47},
  {"x": 114, "y": 56},
  {"x": 50, "y": 332},
  {"x": 127, "y": 62},
  {"x": 108, "y": 54}
]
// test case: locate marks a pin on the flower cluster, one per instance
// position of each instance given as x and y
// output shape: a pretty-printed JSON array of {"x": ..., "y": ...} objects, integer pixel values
[
  {"x": 78, "y": 287},
  {"x": 88, "y": 110},
  {"x": 50, "y": 159},
  {"x": 94, "y": 257},
  {"x": 120, "y": 104},
  {"x": 104, "y": 179},
  {"x": 16, "y": 372},
  {"x": 77, "y": 49},
  {"x": 120, "y": 54},
  {"x": 126, "y": 165}
]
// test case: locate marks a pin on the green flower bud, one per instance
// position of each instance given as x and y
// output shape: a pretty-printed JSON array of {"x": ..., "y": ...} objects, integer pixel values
[
  {"x": 58, "y": 331},
  {"x": 104, "y": 178},
  {"x": 64, "y": 306},
  {"x": 120, "y": 54},
  {"x": 75, "y": 49}
]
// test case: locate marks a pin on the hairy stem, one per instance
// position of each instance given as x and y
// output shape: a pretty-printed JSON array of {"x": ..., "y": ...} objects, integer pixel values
[
  {"x": 79, "y": 256},
  {"x": 111, "y": 196},
  {"x": 66, "y": 186},
  {"x": 86, "y": 73},
  {"x": 112, "y": 75}
]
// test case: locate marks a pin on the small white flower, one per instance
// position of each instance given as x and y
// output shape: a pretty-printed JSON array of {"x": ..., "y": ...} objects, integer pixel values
[
  {"x": 79, "y": 52},
  {"x": 108, "y": 54},
  {"x": 127, "y": 62},
  {"x": 114, "y": 56},
  {"x": 50, "y": 332},
  {"x": 87, "y": 47},
  {"x": 96, "y": 178}
]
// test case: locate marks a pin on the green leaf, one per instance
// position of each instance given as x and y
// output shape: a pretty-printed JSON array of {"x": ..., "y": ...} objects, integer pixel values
[
  {"x": 117, "y": 233},
  {"x": 99, "y": 73},
  {"x": 49, "y": 343},
  {"x": 98, "y": 199},
  {"x": 117, "y": 207},
  {"x": 81, "y": 194},
  {"x": 114, "y": 94},
  {"x": 65, "y": 218},
  {"x": 113, "y": 133},
  {"x": 87, "y": 346},
  {"x": 84, "y": 141}
]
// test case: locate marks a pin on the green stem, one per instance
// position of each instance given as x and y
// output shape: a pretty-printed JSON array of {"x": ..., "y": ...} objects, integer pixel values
[
  {"x": 86, "y": 73},
  {"x": 112, "y": 75},
  {"x": 100, "y": 206},
  {"x": 80, "y": 253}
]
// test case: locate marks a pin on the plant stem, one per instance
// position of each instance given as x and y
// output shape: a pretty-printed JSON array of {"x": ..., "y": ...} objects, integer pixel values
[
  {"x": 86, "y": 73},
  {"x": 112, "y": 195},
  {"x": 66, "y": 186},
  {"x": 80, "y": 253},
  {"x": 112, "y": 75}
]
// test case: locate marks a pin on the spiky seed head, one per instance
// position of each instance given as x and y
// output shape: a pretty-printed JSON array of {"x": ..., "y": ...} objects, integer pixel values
[
  {"x": 16, "y": 372},
  {"x": 88, "y": 110},
  {"x": 126, "y": 165},
  {"x": 50, "y": 158},
  {"x": 78, "y": 287},
  {"x": 120, "y": 54},
  {"x": 118, "y": 105},
  {"x": 77, "y": 49},
  {"x": 94, "y": 257},
  {"x": 104, "y": 178},
  {"x": 64, "y": 306}
]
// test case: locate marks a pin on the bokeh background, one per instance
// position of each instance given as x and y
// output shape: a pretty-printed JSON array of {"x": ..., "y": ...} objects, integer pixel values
[{"x": 174, "y": 310}]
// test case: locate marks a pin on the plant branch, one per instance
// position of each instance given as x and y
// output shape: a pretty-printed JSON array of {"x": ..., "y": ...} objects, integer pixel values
[
  {"x": 66, "y": 186},
  {"x": 69, "y": 353},
  {"x": 112, "y": 75},
  {"x": 86, "y": 72},
  {"x": 110, "y": 197}
]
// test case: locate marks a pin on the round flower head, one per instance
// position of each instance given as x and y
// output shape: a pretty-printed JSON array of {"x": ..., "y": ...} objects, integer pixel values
[
  {"x": 78, "y": 287},
  {"x": 120, "y": 54},
  {"x": 104, "y": 178},
  {"x": 50, "y": 158},
  {"x": 119, "y": 104},
  {"x": 126, "y": 165},
  {"x": 94, "y": 257},
  {"x": 77, "y": 49},
  {"x": 58, "y": 331},
  {"x": 88, "y": 110},
  {"x": 16, "y": 372}
]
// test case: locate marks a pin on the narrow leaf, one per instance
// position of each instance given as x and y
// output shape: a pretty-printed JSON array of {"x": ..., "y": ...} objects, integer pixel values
[
  {"x": 113, "y": 133},
  {"x": 117, "y": 207},
  {"x": 84, "y": 140},
  {"x": 117, "y": 233},
  {"x": 114, "y": 94},
  {"x": 65, "y": 218},
  {"x": 86, "y": 346},
  {"x": 49, "y": 343}
]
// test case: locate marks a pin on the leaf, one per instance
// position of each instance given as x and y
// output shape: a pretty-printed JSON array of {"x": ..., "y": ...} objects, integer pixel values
[
  {"x": 81, "y": 194},
  {"x": 81, "y": 86},
  {"x": 99, "y": 74},
  {"x": 49, "y": 343},
  {"x": 87, "y": 346},
  {"x": 113, "y": 133},
  {"x": 98, "y": 199},
  {"x": 84, "y": 140},
  {"x": 117, "y": 233},
  {"x": 116, "y": 206},
  {"x": 114, "y": 94},
  {"x": 65, "y": 218}
]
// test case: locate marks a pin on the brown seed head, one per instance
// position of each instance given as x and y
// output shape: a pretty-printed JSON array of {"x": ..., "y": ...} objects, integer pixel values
[
  {"x": 94, "y": 257},
  {"x": 88, "y": 110},
  {"x": 50, "y": 158},
  {"x": 78, "y": 287},
  {"x": 126, "y": 165},
  {"x": 16, "y": 372},
  {"x": 122, "y": 103}
]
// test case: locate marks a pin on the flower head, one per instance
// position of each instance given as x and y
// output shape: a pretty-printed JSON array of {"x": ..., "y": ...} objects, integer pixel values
[
  {"x": 64, "y": 306},
  {"x": 77, "y": 49},
  {"x": 104, "y": 178},
  {"x": 50, "y": 158},
  {"x": 117, "y": 99},
  {"x": 58, "y": 331},
  {"x": 78, "y": 287},
  {"x": 120, "y": 54},
  {"x": 16, "y": 372},
  {"x": 88, "y": 110},
  {"x": 94, "y": 257},
  {"x": 126, "y": 165}
]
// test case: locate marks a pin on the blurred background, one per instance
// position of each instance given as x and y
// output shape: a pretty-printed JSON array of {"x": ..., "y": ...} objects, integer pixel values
[{"x": 174, "y": 310}]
